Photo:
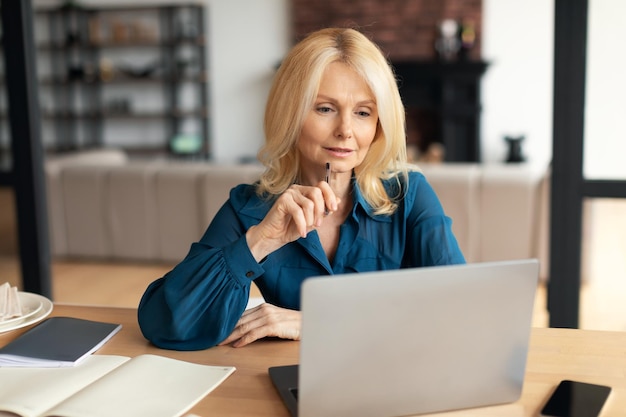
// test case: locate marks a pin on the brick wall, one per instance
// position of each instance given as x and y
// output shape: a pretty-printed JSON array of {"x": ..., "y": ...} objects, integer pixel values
[{"x": 404, "y": 29}]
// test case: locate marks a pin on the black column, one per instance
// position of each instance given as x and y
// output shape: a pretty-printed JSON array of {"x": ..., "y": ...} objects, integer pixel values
[
  {"x": 570, "y": 56},
  {"x": 27, "y": 178}
]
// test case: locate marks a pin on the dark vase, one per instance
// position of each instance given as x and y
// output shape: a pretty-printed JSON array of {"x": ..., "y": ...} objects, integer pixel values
[{"x": 515, "y": 149}]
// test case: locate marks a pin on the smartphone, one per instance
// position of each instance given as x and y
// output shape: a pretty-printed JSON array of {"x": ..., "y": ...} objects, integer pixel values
[{"x": 576, "y": 399}]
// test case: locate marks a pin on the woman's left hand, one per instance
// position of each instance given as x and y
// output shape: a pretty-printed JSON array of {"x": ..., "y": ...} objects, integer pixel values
[{"x": 263, "y": 321}]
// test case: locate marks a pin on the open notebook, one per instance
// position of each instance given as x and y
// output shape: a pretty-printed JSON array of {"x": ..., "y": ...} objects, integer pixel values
[{"x": 412, "y": 341}]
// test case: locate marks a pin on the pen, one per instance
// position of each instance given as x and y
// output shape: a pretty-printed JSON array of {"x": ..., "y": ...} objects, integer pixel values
[{"x": 327, "y": 180}]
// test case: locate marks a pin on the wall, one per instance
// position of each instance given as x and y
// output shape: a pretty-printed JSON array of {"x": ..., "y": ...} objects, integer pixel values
[
  {"x": 605, "y": 146},
  {"x": 244, "y": 53},
  {"x": 517, "y": 89},
  {"x": 248, "y": 38},
  {"x": 403, "y": 29}
]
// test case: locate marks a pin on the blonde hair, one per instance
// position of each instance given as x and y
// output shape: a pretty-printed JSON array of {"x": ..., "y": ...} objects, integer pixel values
[{"x": 293, "y": 94}]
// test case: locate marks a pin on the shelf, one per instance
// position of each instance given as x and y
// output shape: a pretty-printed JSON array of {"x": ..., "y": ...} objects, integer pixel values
[
  {"x": 95, "y": 55},
  {"x": 6, "y": 177},
  {"x": 134, "y": 8},
  {"x": 442, "y": 101},
  {"x": 195, "y": 41},
  {"x": 124, "y": 79},
  {"x": 129, "y": 116}
]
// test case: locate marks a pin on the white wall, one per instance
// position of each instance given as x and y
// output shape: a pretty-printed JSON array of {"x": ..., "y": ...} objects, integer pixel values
[
  {"x": 518, "y": 41},
  {"x": 605, "y": 132},
  {"x": 517, "y": 94},
  {"x": 248, "y": 40}
]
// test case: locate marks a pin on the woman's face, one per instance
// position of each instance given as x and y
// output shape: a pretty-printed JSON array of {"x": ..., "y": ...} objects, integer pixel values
[{"x": 341, "y": 125}]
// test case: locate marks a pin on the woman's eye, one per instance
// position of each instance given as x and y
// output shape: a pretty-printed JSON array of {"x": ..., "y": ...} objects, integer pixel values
[
  {"x": 324, "y": 109},
  {"x": 363, "y": 113}
]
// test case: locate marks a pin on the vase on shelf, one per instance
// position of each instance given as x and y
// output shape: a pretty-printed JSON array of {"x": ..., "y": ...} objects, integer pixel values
[{"x": 515, "y": 154}]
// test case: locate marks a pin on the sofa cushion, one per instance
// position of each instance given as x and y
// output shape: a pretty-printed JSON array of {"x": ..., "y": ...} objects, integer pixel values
[
  {"x": 458, "y": 189},
  {"x": 218, "y": 182},
  {"x": 53, "y": 167},
  {"x": 179, "y": 212},
  {"x": 510, "y": 211},
  {"x": 132, "y": 211},
  {"x": 86, "y": 215}
]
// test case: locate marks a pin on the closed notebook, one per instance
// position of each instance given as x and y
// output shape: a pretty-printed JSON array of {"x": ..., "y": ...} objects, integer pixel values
[{"x": 57, "y": 342}]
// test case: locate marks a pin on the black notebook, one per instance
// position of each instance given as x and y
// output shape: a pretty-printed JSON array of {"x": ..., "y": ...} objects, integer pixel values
[{"x": 57, "y": 342}]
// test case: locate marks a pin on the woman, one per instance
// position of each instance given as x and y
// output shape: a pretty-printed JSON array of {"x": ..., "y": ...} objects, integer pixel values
[{"x": 337, "y": 196}]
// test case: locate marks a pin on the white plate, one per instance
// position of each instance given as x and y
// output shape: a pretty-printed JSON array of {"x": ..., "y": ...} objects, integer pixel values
[
  {"x": 30, "y": 306},
  {"x": 29, "y": 299}
]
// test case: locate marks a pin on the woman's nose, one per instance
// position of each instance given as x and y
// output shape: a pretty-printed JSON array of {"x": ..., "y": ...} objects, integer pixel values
[{"x": 344, "y": 127}]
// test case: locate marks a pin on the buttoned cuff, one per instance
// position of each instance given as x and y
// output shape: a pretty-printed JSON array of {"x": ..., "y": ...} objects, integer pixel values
[{"x": 240, "y": 261}]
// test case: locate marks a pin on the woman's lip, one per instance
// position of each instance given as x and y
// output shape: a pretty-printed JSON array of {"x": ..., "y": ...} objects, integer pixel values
[{"x": 340, "y": 151}]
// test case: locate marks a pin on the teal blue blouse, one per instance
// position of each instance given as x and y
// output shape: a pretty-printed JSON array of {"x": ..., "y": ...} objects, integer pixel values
[{"x": 198, "y": 303}]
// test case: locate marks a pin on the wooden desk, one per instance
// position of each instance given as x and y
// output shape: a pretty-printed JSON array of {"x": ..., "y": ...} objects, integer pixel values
[{"x": 555, "y": 354}]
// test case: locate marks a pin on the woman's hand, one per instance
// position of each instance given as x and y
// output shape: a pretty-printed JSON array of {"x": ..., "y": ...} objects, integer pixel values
[
  {"x": 295, "y": 213},
  {"x": 263, "y": 321}
]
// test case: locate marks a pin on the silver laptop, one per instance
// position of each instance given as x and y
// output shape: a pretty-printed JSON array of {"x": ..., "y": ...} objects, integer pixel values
[{"x": 411, "y": 341}]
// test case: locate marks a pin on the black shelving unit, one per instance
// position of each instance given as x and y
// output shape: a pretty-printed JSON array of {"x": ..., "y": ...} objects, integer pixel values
[
  {"x": 442, "y": 101},
  {"x": 100, "y": 60}
]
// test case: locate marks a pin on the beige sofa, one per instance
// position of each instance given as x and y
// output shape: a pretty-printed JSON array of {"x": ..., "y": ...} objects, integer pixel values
[
  {"x": 104, "y": 206},
  {"x": 499, "y": 211}
]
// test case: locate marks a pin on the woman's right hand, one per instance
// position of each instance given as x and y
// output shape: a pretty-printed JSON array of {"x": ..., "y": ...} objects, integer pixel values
[{"x": 294, "y": 214}]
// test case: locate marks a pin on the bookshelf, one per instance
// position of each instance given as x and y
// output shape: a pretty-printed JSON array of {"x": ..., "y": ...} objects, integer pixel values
[{"x": 130, "y": 77}]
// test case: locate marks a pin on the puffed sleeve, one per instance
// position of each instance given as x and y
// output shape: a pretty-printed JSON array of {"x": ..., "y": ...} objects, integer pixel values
[
  {"x": 197, "y": 304},
  {"x": 431, "y": 241}
]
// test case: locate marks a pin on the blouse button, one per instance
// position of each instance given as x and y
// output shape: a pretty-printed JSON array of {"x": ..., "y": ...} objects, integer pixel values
[{"x": 249, "y": 274}]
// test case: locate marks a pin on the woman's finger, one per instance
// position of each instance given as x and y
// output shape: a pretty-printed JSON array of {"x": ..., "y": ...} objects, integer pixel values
[
  {"x": 295, "y": 213},
  {"x": 242, "y": 325},
  {"x": 305, "y": 206},
  {"x": 331, "y": 201},
  {"x": 263, "y": 321}
]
